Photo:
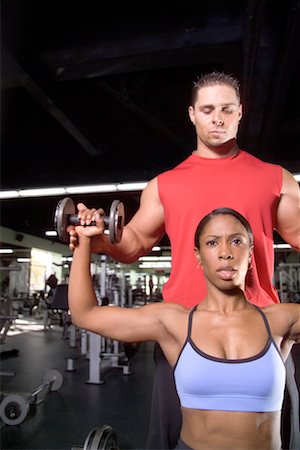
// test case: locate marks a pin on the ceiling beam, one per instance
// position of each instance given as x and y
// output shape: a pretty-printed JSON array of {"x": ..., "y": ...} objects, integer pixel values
[
  {"x": 48, "y": 104},
  {"x": 147, "y": 61},
  {"x": 149, "y": 44},
  {"x": 150, "y": 120}
]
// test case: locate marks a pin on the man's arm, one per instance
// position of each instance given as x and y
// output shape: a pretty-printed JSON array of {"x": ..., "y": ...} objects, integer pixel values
[
  {"x": 143, "y": 231},
  {"x": 288, "y": 211}
]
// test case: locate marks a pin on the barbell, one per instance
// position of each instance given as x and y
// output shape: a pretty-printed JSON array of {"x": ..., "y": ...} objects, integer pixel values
[
  {"x": 104, "y": 438},
  {"x": 14, "y": 408},
  {"x": 65, "y": 215}
]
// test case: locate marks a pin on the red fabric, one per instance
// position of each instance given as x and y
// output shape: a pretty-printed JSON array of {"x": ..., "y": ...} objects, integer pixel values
[{"x": 197, "y": 186}]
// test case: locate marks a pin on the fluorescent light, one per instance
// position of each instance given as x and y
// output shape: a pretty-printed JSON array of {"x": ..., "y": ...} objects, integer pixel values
[
  {"x": 91, "y": 189},
  {"x": 155, "y": 258},
  {"x": 155, "y": 265},
  {"x": 281, "y": 246},
  {"x": 9, "y": 194},
  {"x": 23, "y": 259},
  {"x": 132, "y": 186},
  {"x": 87, "y": 189},
  {"x": 297, "y": 177},
  {"x": 51, "y": 233},
  {"x": 156, "y": 248},
  {"x": 41, "y": 192},
  {"x": 6, "y": 250}
]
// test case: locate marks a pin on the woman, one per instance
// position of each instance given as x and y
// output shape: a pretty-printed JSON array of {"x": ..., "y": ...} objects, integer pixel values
[{"x": 228, "y": 355}]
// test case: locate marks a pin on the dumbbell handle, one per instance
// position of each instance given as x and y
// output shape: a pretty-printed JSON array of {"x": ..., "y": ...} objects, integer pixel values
[{"x": 73, "y": 219}]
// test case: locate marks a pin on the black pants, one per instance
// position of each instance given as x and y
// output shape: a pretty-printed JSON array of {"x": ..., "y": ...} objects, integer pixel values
[
  {"x": 165, "y": 420},
  {"x": 293, "y": 400},
  {"x": 182, "y": 446}
]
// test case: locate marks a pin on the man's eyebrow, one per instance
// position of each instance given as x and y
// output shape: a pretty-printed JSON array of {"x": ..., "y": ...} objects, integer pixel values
[{"x": 213, "y": 106}]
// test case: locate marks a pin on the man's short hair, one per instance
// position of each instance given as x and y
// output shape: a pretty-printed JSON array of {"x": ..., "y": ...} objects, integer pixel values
[{"x": 213, "y": 79}]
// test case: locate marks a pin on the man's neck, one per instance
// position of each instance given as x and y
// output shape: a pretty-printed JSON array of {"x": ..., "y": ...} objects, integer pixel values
[{"x": 224, "y": 151}]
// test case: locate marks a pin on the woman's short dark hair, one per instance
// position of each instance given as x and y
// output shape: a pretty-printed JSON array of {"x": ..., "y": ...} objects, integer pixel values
[{"x": 222, "y": 211}]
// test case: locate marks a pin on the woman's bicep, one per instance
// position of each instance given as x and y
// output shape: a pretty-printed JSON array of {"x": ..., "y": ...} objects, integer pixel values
[{"x": 124, "y": 324}]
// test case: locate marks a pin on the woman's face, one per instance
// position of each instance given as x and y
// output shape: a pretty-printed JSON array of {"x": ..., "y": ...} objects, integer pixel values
[{"x": 224, "y": 252}]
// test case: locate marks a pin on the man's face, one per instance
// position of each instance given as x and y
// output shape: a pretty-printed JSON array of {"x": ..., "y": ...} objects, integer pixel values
[{"x": 216, "y": 115}]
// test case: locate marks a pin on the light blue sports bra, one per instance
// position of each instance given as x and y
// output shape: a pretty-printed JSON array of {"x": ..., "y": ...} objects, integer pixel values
[{"x": 253, "y": 384}]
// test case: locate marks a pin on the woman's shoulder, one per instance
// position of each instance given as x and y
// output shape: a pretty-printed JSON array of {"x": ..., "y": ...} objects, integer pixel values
[
  {"x": 168, "y": 309},
  {"x": 276, "y": 307},
  {"x": 282, "y": 313},
  {"x": 170, "y": 306}
]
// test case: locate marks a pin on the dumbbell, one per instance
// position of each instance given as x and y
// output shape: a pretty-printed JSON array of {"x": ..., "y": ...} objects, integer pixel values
[
  {"x": 104, "y": 438},
  {"x": 65, "y": 214},
  {"x": 14, "y": 408}
]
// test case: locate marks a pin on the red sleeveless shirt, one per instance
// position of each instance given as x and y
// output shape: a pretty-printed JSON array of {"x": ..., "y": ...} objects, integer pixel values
[{"x": 196, "y": 187}]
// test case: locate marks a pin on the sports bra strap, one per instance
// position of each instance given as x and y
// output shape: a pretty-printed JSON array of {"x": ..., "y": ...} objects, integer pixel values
[
  {"x": 190, "y": 321},
  {"x": 258, "y": 309},
  {"x": 265, "y": 320}
]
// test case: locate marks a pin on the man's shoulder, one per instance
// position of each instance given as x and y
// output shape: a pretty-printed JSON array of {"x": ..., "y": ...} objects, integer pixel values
[
  {"x": 258, "y": 166},
  {"x": 244, "y": 155}
]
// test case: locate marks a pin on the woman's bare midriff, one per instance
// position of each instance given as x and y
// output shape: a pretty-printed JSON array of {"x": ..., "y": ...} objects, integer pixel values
[{"x": 222, "y": 430}]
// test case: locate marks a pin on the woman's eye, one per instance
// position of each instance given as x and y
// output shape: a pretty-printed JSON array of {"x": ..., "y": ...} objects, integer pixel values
[
  {"x": 237, "y": 241},
  {"x": 211, "y": 243}
]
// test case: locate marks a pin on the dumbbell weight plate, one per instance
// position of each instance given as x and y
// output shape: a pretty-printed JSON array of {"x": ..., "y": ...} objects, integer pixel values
[
  {"x": 110, "y": 442},
  {"x": 116, "y": 221},
  {"x": 13, "y": 409},
  {"x": 58, "y": 379},
  {"x": 104, "y": 438},
  {"x": 92, "y": 440},
  {"x": 65, "y": 207}
]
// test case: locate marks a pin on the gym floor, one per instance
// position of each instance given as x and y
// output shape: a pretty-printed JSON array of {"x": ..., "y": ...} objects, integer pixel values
[{"x": 65, "y": 417}]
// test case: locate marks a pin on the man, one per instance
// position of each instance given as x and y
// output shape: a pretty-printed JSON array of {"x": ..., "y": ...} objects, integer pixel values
[{"x": 217, "y": 174}]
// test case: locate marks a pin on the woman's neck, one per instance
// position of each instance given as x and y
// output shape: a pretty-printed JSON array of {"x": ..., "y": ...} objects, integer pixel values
[{"x": 225, "y": 302}]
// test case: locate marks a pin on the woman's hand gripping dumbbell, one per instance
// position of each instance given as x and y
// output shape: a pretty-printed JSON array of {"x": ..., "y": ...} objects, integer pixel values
[{"x": 65, "y": 215}]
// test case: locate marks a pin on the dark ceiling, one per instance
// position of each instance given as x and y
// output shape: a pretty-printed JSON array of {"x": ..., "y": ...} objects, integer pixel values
[{"x": 98, "y": 91}]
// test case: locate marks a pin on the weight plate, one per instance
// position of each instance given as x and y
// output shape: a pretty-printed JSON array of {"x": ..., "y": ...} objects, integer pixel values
[
  {"x": 65, "y": 207},
  {"x": 110, "y": 441},
  {"x": 89, "y": 440},
  {"x": 104, "y": 438},
  {"x": 55, "y": 374},
  {"x": 13, "y": 409},
  {"x": 116, "y": 221}
]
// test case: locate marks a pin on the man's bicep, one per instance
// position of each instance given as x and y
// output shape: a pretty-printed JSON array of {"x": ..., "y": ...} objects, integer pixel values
[
  {"x": 288, "y": 211},
  {"x": 148, "y": 222}
]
